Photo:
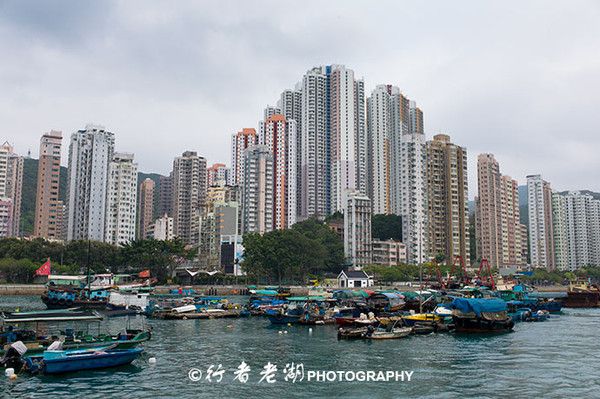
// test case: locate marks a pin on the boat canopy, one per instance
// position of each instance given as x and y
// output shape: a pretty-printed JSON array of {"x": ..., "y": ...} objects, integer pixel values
[
  {"x": 478, "y": 305},
  {"x": 305, "y": 298},
  {"x": 346, "y": 294},
  {"x": 50, "y": 315}
]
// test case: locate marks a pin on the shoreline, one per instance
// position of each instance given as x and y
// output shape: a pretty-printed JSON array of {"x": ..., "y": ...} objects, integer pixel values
[{"x": 225, "y": 290}]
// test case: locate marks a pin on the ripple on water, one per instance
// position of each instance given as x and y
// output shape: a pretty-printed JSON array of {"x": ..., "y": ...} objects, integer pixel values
[{"x": 556, "y": 358}]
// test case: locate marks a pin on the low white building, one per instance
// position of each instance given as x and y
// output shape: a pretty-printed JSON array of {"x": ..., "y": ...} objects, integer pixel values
[{"x": 354, "y": 279}]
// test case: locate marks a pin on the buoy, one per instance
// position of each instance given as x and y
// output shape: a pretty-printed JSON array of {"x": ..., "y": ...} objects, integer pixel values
[
  {"x": 310, "y": 330},
  {"x": 289, "y": 324},
  {"x": 13, "y": 377},
  {"x": 184, "y": 318},
  {"x": 235, "y": 292},
  {"x": 280, "y": 332},
  {"x": 152, "y": 360},
  {"x": 9, "y": 371},
  {"x": 285, "y": 332},
  {"x": 230, "y": 326}
]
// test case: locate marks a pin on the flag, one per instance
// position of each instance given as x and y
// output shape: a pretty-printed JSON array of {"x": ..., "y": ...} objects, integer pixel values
[
  {"x": 44, "y": 270},
  {"x": 145, "y": 273}
]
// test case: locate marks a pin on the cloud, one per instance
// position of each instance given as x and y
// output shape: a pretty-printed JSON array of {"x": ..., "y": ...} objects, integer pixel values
[{"x": 517, "y": 79}]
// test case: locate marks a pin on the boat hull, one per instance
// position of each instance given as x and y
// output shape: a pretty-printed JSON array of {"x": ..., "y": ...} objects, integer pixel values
[
  {"x": 581, "y": 299},
  {"x": 110, "y": 358},
  {"x": 283, "y": 318},
  {"x": 480, "y": 325}
]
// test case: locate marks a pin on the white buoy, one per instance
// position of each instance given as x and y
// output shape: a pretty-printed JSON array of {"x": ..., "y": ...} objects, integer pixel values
[
  {"x": 152, "y": 360},
  {"x": 310, "y": 330},
  {"x": 9, "y": 371},
  {"x": 280, "y": 332},
  {"x": 285, "y": 332}
]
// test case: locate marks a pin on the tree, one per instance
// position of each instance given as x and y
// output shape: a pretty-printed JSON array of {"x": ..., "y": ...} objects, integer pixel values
[{"x": 386, "y": 226}]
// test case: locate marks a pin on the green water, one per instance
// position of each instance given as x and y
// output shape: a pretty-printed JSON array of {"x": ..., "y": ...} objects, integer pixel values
[{"x": 557, "y": 358}]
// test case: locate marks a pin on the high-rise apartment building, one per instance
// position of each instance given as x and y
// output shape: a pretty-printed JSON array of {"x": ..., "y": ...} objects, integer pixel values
[
  {"x": 165, "y": 195},
  {"x": 541, "y": 223},
  {"x": 257, "y": 190},
  {"x": 90, "y": 152},
  {"x": 357, "y": 229},
  {"x": 189, "y": 195},
  {"x": 447, "y": 199},
  {"x": 11, "y": 182},
  {"x": 121, "y": 204},
  {"x": 239, "y": 142},
  {"x": 583, "y": 230},
  {"x": 333, "y": 134},
  {"x": 47, "y": 213},
  {"x": 498, "y": 230},
  {"x": 413, "y": 196},
  {"x": 559, "y": 223},
  {"x": 379, "y": 130},
  {"x": 145, "y": 208},
  {"x": 217, "y": 172},
  {"x": 279, "y": 136}
]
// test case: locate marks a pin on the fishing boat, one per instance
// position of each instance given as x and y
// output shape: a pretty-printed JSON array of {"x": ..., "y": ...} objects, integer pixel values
[
  {"x": 53, "y": 362},
  {"x": 283, "y": 316},
  {"x": 479, "y": 315},
  {"x": 409, "y": 320},
  {"x": 582, "y": 294},
  {"x": 37, "y": 330}
]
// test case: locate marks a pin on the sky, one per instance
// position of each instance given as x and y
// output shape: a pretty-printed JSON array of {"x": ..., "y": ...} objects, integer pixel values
[{"x": 519, "y": 79}]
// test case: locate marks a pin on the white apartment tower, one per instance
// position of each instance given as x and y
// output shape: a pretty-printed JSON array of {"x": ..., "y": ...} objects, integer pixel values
[
  {"x": 413, "y": 196},
  {"x": 583, "y": 230},
  {"x": 541, "y": 225},
  {"x": 333, "y": 138},
  {"x": 11, "y": 182},
  {"x": 121, "y": 206},
  {"x": 90, "y": 152},
  {"x": 559, "y": 220}
]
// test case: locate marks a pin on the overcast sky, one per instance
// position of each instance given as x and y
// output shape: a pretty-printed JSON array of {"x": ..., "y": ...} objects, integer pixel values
[{"x": 519, "y": 79}]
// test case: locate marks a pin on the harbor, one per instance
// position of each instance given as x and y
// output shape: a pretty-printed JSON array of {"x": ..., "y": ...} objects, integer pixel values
[{"x": 439, "y": 363}]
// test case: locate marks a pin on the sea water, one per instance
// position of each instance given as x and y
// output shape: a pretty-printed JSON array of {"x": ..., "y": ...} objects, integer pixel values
[{"x": 227, "y": 358}]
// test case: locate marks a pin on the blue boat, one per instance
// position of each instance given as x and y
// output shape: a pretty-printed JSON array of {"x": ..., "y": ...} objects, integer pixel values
[
  {"x": 52, "y": 362},
  {"x": 291, "y": 316}
]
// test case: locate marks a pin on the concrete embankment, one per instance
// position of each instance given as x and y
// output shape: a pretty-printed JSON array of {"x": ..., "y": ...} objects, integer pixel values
[{"x": 21, "y": 289}]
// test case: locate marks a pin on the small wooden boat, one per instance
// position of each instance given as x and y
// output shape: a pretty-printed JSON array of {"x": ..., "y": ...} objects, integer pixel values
[
  {"x": 391, "y": 332},
  {"x": 351, "y": 332},
  {"x": 52, "y": 362}
]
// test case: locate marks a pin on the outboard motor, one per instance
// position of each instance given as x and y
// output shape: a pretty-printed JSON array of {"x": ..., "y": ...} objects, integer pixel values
[{"x": 13, "y": 358}]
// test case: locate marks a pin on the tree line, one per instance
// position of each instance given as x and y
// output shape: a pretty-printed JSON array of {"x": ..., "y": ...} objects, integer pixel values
[{"x": 19, "y": 259}]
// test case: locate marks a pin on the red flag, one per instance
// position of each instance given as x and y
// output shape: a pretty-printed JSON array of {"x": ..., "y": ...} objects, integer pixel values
[
  {"x": 44, "y": 270},
  {"x": 145, "y": 273}
]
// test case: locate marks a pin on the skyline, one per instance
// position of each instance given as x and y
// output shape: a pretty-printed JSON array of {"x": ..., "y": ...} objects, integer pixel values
[{"x": 189, "y": 76}]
